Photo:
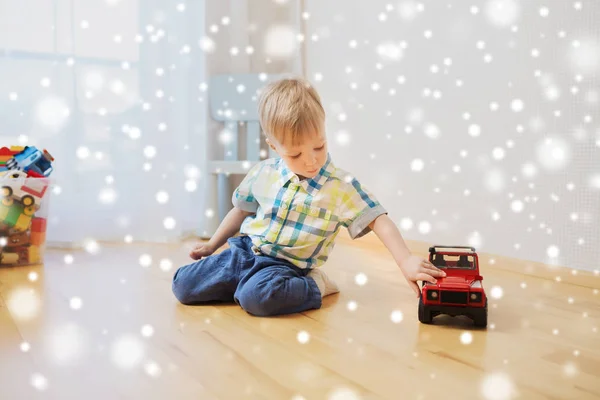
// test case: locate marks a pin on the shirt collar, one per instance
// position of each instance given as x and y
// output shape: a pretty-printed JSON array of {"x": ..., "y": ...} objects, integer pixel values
[{"x": 311, "y": 185}]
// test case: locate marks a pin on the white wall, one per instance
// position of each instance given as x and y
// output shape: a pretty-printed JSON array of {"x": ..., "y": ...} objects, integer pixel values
[
  {"x": 528, "y": 185},
  {"x": 81, "y": 111},
  {"x": 245, "y": 40}
]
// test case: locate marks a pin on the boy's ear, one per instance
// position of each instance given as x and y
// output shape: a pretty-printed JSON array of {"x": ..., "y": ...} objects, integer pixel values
[{"x": 271, "y": 145}]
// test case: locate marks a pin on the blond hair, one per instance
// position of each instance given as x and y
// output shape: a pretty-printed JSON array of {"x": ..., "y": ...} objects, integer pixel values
[{"x": 289, "y": 109}]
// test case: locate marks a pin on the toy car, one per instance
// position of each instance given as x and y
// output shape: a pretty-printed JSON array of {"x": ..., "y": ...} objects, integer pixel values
[
  {"x": 30, "y": 160},
  {"x": 14, "y": 183},
  {"x": 43, "y": 166},
  {"x": 23, "y": 160},
  {"x": 460, "y": 292}
]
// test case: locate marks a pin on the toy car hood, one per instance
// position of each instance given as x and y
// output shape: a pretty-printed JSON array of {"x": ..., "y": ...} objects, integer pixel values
[{"x": 457, "y": 282}]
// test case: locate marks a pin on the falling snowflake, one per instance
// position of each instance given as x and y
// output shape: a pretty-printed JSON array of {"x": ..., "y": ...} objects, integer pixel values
[
  {"x": 390, "y": 51},
  {"x": 424, "y": 227},
  {"x": 107, "y": 195},
  {"x": 497, "y": 386},
  {"x": 431, "y": 131},
  {"x": 494, "y": 180},
  {"x": 553, "y": 251},
  {"x": 342, "y": 138},
  {"x": 417, "y": 165},
  {"x": 145, "y": 260},
  {"x": 76, "y": 303},
  {"x": 343, "y": 394},
  {"x": 406, "y": 224},
  {"x": 553, "y": 153},
  {"x": 39, "y": 382},
  {"x": 152, "y": 369},
  {"x": 169, "y": 223},
  {"x": 517, "y": 105},
  {"x": 303, "y": 337},
  {"x": 166, "y": 264},
  {"x": 66, "y": 344},
  {"x": 162, "y": 197},
  {"x": 496, "y": 292},
  {"x": 466, "y": 338},
  {"x": 23, "y": 303},
  {"x": 474, "y": 130},
  {"x": 475, "y": 240},
  {"x": 584, "y": 55},
  {"x": 91, "y": 246},
  {"x": 280, "y": 41},
  {"x": 397, "y": 316},
  {"x": 361, "y": 279},
  {"x": 127, "y": 351},
  {"x": 517, "y": 206},
  {"x": 147, "y": 331},
  {"x": 502, "y": 13}
]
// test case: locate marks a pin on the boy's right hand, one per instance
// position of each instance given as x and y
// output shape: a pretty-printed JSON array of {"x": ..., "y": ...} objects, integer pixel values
[{"x": 201, "y": 250}]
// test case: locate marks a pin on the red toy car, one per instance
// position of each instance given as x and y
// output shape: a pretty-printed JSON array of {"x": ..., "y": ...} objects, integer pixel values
[{"x": 460, "y": 292}]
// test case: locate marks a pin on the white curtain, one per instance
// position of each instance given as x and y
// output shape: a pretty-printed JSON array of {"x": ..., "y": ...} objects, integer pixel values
[{"x": 111, "y": 88}]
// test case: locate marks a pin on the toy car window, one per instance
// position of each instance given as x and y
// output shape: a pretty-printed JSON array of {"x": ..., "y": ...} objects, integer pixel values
[
  {"x": 439, "y": 261},
  {"x": 454, "y": 261}
]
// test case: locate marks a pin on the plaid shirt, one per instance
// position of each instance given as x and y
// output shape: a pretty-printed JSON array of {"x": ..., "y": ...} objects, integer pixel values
[{"x": 298, "y": 220}]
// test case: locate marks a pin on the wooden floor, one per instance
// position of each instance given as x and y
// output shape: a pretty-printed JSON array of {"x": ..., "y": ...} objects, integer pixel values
[{"x": 106, "y": 327}]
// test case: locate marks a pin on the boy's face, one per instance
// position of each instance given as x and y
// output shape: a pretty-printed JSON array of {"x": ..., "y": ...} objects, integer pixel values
[{"x": 304, "y": 159}]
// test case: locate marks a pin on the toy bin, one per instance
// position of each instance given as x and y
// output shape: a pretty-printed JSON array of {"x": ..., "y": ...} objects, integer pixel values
[{"x": 23, "y": 219}]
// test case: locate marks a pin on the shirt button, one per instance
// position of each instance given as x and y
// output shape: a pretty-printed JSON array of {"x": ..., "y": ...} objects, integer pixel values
[
  {"x": 313, "y": 212},
  {"x": 284, "y": 206}
]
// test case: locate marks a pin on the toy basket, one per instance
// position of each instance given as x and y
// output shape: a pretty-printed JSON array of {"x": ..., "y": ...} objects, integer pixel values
[{"x": 23, "y": 218}]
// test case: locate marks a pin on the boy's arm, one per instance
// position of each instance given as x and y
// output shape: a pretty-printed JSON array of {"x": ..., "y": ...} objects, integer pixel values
[
  {"x": 413, "y": 267},
  {"x": 229, "y": 226}
]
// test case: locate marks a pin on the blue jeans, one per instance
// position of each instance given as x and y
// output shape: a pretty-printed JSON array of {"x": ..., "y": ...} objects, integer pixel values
[{"x": 260, "y": 284}]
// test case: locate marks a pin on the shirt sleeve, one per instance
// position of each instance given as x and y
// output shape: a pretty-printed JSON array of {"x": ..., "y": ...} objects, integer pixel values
[
  {"x": 359, "y": 208},
  {"x": 243, "y": 196}
]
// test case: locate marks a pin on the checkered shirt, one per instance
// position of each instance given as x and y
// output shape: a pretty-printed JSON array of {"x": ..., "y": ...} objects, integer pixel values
[{"x": 298, "y": 220}]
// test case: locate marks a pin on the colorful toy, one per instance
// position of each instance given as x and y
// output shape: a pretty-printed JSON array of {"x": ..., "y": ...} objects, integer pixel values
[
  {"x": 22, "y": 227},
  {"x": 16, "y": 216},
  {"x": 30, "y": 160},
  {"x": 43, "y": 165},
  {"x": 8, "y": 258},
  {"x": 17, "y": 239},
  {"x": 38, "y": 231},
  {"x": 15, "y": 183},
  {"x": 460, "y": 292},
  {"x": 8, "y": 153}
]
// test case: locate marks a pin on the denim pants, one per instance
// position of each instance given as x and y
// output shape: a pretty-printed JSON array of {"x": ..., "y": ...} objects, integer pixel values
[{"x": 260, "y": 284}]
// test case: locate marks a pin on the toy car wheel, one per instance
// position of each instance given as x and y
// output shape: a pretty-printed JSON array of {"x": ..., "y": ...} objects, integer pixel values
[
  {"x": 7, "y": 201},
  {"x": 27, "y": 201},
  {"x": 480, "y": 318},
  {"x": 29, "y": 210},
  {"x": 6, "y": 191},
  {"x": 424, "y": 313}
]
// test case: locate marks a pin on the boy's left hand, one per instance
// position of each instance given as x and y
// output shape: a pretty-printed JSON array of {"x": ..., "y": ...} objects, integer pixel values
[{"x": 416, "y": 269}]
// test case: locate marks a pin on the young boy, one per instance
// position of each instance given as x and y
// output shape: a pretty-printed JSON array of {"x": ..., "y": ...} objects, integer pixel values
[{"x": 289, "y": 210}]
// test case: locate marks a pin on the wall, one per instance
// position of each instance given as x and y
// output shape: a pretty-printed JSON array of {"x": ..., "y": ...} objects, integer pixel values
[
  {"x": 257, "y": 36},
  {"x": 110, "y": 89},
  {"x": 473, "y": 122}
]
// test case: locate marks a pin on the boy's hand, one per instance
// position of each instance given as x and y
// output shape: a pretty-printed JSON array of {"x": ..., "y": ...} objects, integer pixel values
[
  {"x": 419, "y": 269},
  {"x": 201, "y": 250}
]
